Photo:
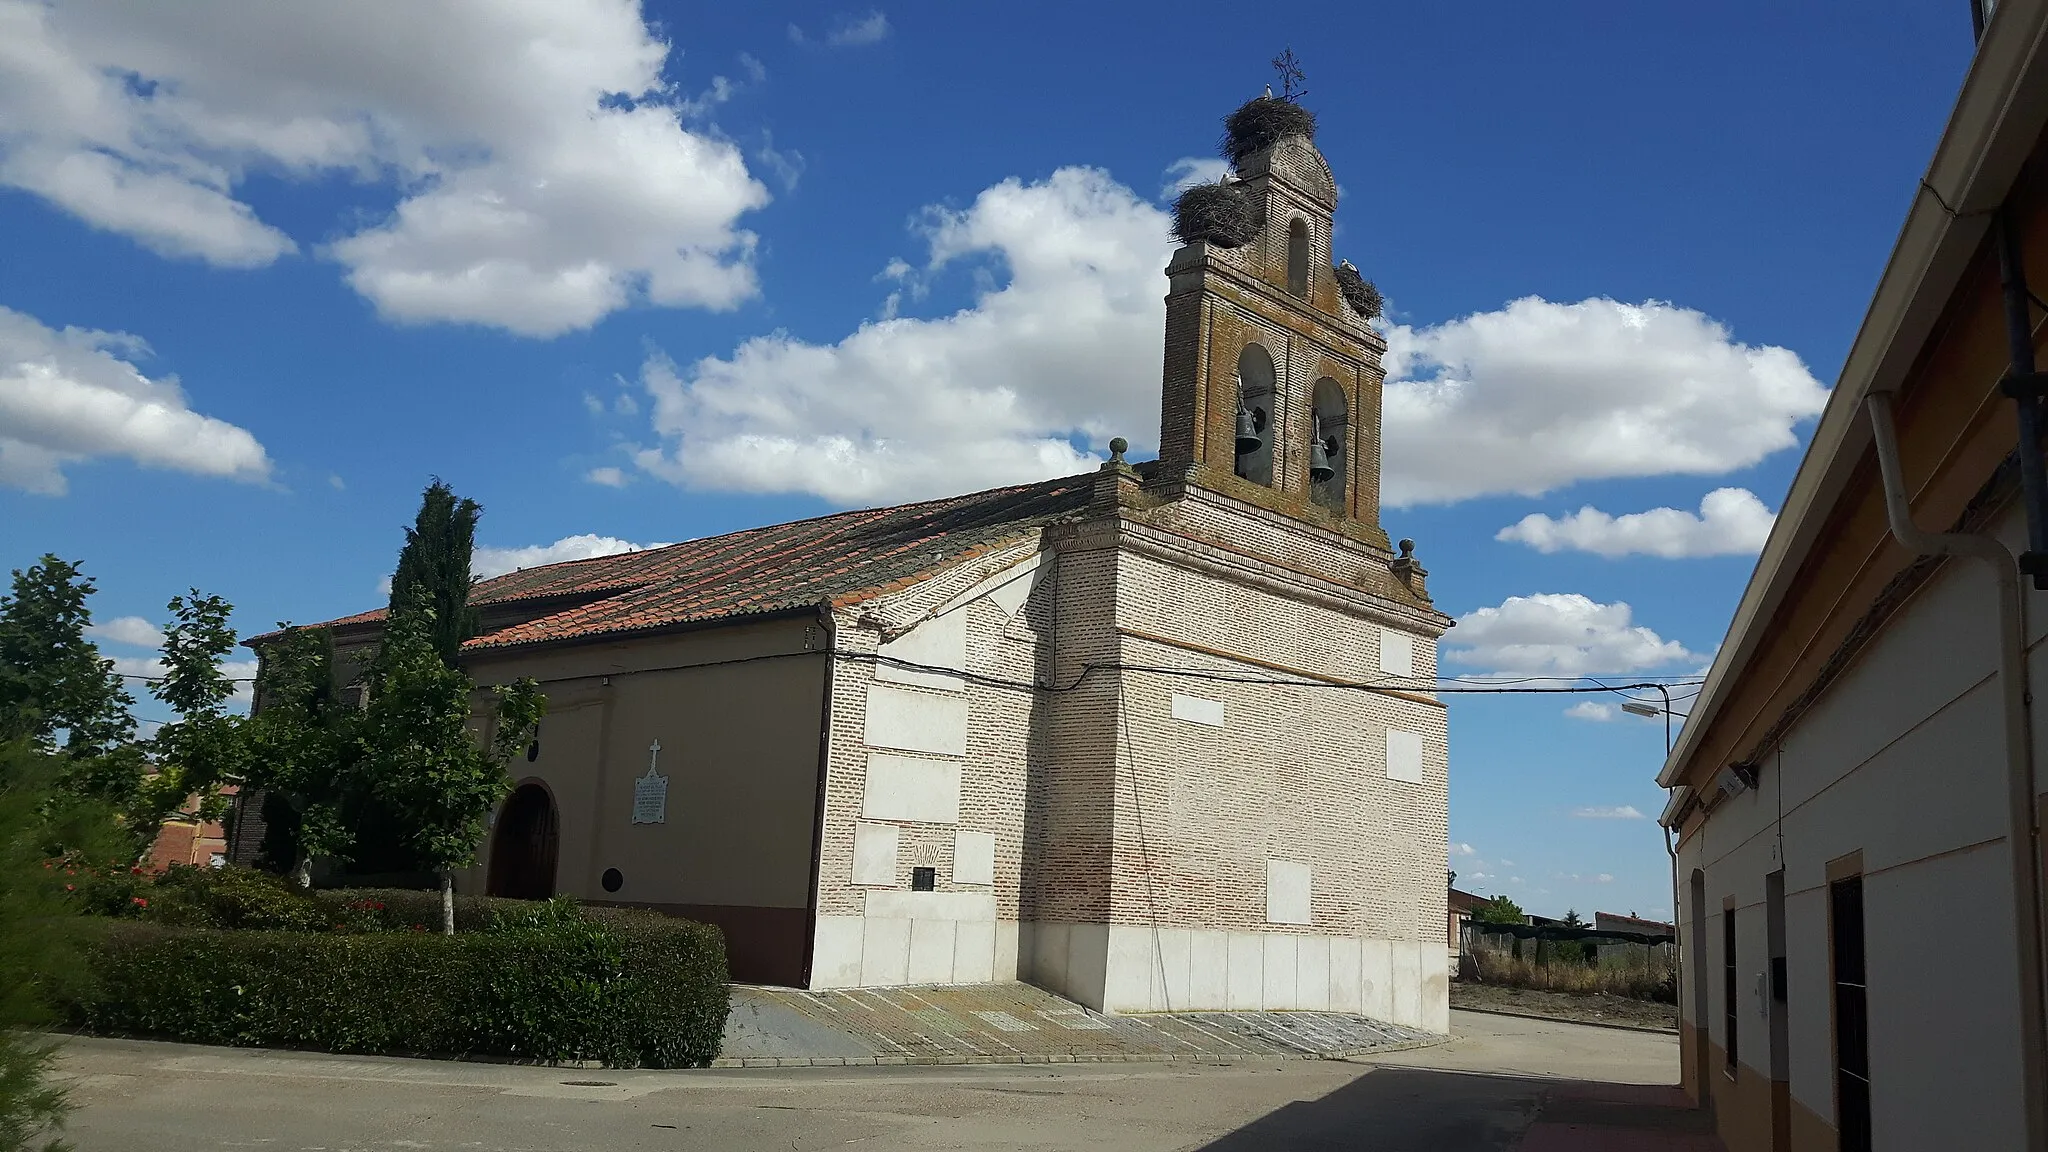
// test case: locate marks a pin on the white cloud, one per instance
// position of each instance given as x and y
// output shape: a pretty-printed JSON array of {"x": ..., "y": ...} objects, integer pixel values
[
  {"x": 71, "y": 395},
  {"x": 335, "y": 482},
  {"x": 1730, "y": 522},
  {"x": 1539, "y": 395},
  {"x": 1064, "y": 350},
  {"x": 1463, "y": 850},
  {"x": 992, "y": 394},
  {"x": 545, "y": 174},
  {"x": 1507, "y": 863},
  {"x": 1598, "y": 878},
  {"x": 133, "y": 631},
  {"x": 609, "y": 477},
  {"x": 1476, "y": 877},
  {"x": 1592, "y": 710},
  {"x": 1616, "y": 812},
  {"x": 139, "y": 671},
  {"x": 485, "y": 563},
  {"x": 787, "y": 164},
  {"x": 847, "y": 31},
  {"x": 1560, "y": 634},
  {"x": 1189, "y": 171}
]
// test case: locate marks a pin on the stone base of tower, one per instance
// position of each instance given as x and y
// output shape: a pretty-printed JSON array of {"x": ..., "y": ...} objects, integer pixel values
[{"x": 1136, "y": 968}]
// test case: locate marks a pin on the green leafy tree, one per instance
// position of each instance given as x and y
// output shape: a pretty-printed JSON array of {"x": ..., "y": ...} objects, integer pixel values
[
  {"x": 433, "y": 568},
  {"x": 304, "y": 751},
  {"x": 1499, "y": 910},
  {"x": 52, "y": 678},
  {"x": 206, "y": 747},
  {"x": 428, "y": 768},
  {"x": 42, "y": 824},
  {"x": 1572, "y": 919}
]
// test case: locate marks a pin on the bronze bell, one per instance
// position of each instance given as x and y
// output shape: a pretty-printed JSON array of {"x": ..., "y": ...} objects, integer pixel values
[
  {"x": 1319, "y": 469},
  {"x": 1248, "y": 439}
]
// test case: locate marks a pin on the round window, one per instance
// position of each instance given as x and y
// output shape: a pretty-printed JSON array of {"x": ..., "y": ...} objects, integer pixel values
[{"x": 613, "y": 880}]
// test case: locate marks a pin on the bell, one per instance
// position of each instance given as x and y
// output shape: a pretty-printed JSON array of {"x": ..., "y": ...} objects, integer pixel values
[
  {"x": 1319, "y": 470},
  {"x": 1248, "y": 440}
]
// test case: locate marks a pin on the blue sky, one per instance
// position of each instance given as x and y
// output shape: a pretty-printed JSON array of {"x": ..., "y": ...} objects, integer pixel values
[{"x": 641, "y": 274}]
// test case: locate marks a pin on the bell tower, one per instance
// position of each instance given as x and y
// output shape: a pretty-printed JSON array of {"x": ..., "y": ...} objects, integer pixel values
[{"x": 1271, "y": 388}]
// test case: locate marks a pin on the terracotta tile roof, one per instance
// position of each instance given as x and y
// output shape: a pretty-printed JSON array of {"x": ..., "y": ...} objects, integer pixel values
[{"x": 844, "y": 558}]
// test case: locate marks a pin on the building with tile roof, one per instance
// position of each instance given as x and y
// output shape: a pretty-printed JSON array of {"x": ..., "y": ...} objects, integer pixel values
[{"x": 1158, "y": 736}]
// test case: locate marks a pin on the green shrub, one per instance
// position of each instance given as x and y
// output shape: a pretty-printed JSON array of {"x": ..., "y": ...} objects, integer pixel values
[
  {"x": 190, "y": 896},
  {"x": 673, "y": 998},
  {"x": 544, "y": 983},
  {"x": 403, "y": 909}
]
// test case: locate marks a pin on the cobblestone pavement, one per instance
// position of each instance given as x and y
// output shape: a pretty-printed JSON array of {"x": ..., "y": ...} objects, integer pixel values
[{"x": 1020, "y": 1024}]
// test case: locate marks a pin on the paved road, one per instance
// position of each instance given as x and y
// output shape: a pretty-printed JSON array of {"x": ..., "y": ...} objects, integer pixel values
[{"x": 1479, "y": 1092}]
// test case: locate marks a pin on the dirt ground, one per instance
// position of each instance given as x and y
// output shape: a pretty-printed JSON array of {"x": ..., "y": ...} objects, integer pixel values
[{"x": 1597, "y": 1009}]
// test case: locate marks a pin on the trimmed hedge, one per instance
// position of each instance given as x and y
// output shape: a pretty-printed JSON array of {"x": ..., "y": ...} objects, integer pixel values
[{"x": 545, "y": 983}]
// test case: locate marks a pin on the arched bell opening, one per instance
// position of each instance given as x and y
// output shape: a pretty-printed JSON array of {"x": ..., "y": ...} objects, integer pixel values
[
  {"x": 1329, "y": 431},
  {"x": 1257, "y": 414}
]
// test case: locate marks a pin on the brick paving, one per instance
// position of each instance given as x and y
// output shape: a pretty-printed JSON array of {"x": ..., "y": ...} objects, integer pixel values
[{"x": 1014, "y": 1023}]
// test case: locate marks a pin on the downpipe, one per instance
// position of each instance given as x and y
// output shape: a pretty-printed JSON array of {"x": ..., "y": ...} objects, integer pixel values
[{"x": 2022, "y": 837}]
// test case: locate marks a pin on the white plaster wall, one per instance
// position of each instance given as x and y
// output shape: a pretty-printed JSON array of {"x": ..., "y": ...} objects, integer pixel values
[
  {"x": 911, "y": 788},
  {"x": 901, "y": 943},
  {"x": 916, "y": 721},
  {"x": 1902, "y": 761},
  {"x": 940, "y": 642},
  {"x": 1194, "y": 970}
]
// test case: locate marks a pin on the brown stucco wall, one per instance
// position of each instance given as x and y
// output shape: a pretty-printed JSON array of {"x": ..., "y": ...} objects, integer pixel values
[{"x": 737, "y": 710}]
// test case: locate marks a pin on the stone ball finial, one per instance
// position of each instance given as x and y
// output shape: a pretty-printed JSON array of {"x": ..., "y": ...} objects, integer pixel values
[
  {"x": 1407, "y": 549},
  {"x": 1117, "y": 447}
]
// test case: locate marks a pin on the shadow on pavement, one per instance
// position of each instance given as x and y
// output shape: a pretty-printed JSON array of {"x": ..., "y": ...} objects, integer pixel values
[{"x": 1391, "y": 1109}]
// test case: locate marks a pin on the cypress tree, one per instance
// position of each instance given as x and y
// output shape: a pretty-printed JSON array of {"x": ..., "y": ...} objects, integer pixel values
[{"x": 433, "y": 568}]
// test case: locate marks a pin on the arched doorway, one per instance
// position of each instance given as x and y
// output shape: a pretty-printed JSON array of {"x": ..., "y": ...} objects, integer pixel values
[{"x": 523, "y": 846}]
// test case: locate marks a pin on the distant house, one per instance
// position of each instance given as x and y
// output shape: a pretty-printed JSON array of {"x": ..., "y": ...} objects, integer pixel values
[
  {"x": 187, "y": 840},
  {"x": 1613, "y": 922},
  {"x": 1461, "y": 905}
]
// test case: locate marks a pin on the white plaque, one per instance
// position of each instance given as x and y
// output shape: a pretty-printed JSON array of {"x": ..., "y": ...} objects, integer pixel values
[{"x": 650, "y": 792}]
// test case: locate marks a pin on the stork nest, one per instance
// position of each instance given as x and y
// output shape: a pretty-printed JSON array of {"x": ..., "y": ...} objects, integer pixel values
[
  {"x": 1261, "y": 123},
  {"x": 1359, "y": 292},
  {"x": 1220, "y": 214}
]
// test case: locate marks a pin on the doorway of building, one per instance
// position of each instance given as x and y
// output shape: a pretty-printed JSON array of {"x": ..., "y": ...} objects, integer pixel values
[{"x": 523, "y": 847}]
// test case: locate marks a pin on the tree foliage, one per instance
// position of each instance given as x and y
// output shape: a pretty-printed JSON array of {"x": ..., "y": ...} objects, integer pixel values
[
  {"x": 44, "y": 829},
  {"x": 305, "y": 750},
  {"x": 430, "y": 770},
  {"x": 206, "y": 747},
  {"x": 1499, "y": 910},
  {"x": 433, "y": 568},
  {"x": 1572, "y": 919},
  {"x": 52, "y": 678}
]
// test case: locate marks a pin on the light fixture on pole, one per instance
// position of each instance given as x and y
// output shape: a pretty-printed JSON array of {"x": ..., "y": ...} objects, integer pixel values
[{"x": 1638, "y": 708}]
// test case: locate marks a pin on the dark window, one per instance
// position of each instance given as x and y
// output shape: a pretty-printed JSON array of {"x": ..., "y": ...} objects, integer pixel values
[
  {"x": 1852, "y": 1031},
  {"x": 1297, "y": 258},
  {"x": 1728, "y": 991},
  {"x": 612, "y": 880},
  {"x": 923, "y": 879}
]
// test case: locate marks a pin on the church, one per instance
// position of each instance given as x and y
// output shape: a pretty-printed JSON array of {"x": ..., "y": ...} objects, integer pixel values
[{"x": 1159, "y": 737}]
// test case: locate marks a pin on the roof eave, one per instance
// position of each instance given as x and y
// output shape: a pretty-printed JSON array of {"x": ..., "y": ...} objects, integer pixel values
[{"x": 1996, "y": 121}]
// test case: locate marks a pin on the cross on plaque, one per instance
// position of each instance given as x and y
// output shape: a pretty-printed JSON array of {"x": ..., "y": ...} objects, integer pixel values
[{"x": 650, "y": 792}]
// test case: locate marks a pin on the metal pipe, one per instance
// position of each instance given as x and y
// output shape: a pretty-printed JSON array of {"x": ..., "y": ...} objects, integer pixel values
[
  {"x": 2022, "y": 838},
  {"x": 2025, "y": 388}
]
